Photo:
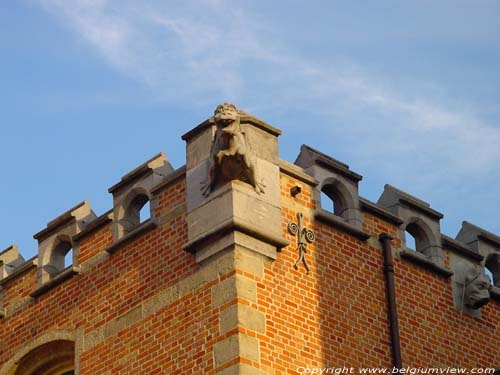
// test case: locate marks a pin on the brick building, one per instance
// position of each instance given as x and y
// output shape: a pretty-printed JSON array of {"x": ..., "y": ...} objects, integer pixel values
[{"x": 249, "y": 264}]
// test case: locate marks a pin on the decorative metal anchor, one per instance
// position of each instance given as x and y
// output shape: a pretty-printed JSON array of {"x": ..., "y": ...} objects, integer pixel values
[{"x": 304, "y": 236}]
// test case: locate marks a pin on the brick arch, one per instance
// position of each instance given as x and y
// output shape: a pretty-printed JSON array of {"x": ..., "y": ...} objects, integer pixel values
[{"x": 50, "y": 354}]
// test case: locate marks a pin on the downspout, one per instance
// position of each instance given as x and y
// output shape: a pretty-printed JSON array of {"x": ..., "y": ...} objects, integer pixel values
[{"x": 392, "y": 311}]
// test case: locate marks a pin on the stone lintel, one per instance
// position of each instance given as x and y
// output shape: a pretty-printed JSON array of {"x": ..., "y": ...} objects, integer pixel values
[
  {"x": 340, "y": 223},
  {"x": 423, "y": 261},
  {"x": 458, "y": 247},
  {"x": 379, "y": 211},
  {"x": 59, "y": 279},
  {"x": 156, "y": 162},
  {"x": 80, "y": 212}
]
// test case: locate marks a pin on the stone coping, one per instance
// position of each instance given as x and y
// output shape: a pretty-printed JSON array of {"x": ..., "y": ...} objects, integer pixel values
[
  {"x": 58, "y": 222},
  {"x": 144, "y": 227},
  {"x": 414, "y": 202},
  {"x": 483, "y": 234},
  {"x": 13, "y": 246},
  {"x": 379, "y": 211},
  {"x": 460, "y": 248},
  {"x": 338, "y": 222},
  {"x": 421, "y": 260},
  {"x": 59, "y": 279},
  {"x": 172, "y": 177},
  {"x": 26, "y": 266},
  {"x": 333, "y": 164},
  {"x": 94, "y": 225},
  {"x": 235, "y": 224},
  {"x": 140, "y": 171},
  {"x": 245, "y": 118},
  {"x": 296, "y": 172}
]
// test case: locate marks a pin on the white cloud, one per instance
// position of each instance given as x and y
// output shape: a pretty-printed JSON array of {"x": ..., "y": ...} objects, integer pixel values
[{"x": 214, "y": 49}]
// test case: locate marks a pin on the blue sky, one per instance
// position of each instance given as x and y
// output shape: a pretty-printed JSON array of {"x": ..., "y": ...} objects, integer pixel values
[{"x": 406, "y": 93}]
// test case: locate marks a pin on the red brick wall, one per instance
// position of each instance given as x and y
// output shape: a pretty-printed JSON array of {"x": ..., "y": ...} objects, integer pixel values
[
  {"x": 137, "y": 271},
  {"x": 335, "y": 316}
]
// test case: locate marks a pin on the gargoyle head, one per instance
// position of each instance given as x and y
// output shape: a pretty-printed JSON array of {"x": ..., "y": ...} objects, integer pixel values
[
  {"x": 477, "y": 289},
  {"x": 226, "y": 113}
]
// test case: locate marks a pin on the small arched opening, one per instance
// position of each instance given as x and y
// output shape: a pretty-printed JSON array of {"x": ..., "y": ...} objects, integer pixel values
[
  {"x": 53, "y": 358},
  {"x": 61, "y": 256},
  {"x": 417, "y": 239},
  {"x": 137, "y": 211},
  {"x": 334, "y": 199},
  {"x": 492, "y": 268}
]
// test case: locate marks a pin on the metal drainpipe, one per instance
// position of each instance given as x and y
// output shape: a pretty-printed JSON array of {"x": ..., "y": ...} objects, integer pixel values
[{"x": 392, "y": 311}]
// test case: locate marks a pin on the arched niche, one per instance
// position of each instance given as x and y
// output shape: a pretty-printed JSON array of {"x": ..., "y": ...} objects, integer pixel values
[
  {"x": 52, "y": 353},
  {"x": 132, "y": 210},
  {"x": 338, "y": 198},
  {"x": 53, "y": 358}
]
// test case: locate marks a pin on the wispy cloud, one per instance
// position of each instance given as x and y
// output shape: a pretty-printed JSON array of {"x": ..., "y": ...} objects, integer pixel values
[{"x": 215, "y": 49}]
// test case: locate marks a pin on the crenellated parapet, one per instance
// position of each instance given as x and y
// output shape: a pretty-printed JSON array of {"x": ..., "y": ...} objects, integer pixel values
[
  {"x": 134, "y": 191},
  {"x": 10, "y": 260},
  {"x": 56, "y": 241},
  {"x": 233, "y": 199},
  {"x": 240, "y": 262}
]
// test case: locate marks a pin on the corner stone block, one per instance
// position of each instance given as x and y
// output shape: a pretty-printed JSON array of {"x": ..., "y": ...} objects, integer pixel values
[
  {"x": 236, "y": 286},
  {"x": 241, "y": 369},
  {"x": 238, "y": 345},
  {"x": 242, "y": 316}
]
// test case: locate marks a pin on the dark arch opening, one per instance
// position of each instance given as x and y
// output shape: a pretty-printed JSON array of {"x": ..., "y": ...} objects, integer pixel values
[
  {"x": 137, "y": 212},
  {"x": 62, "y": 256},
  {"x": 53, "y": 358},
  {"x": 416, "y": 238},
  {"x": 332, "y": 200},
  {"x": 493, "y": 266}
]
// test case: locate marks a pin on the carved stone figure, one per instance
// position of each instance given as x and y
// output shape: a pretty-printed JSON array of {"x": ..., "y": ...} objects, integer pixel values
[
  {"x": 476, "y": 289},
  {"x": 231, "y": 157}
]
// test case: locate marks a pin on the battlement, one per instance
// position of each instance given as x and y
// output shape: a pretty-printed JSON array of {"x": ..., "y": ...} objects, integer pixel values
[{"x": 240, "y": 237}]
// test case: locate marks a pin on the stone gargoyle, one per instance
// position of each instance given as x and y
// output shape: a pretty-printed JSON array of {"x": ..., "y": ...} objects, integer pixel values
[
  {"x": 231, "y": 156},
  {"x": 472, "y": 287}
]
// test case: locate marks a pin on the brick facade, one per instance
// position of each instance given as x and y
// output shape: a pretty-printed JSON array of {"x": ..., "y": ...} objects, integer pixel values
[{"x": 160, "y": 300}]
